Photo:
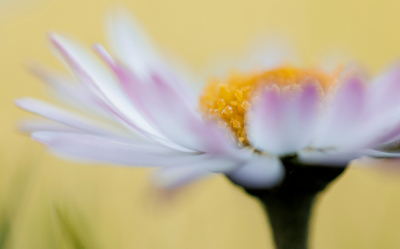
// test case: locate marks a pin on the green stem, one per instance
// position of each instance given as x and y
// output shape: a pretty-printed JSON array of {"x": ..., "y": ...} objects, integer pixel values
[{"x": 289, "y": 205}]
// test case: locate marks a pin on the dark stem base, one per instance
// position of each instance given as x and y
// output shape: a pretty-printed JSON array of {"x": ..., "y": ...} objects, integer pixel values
[{"x": 289, "y": 205}]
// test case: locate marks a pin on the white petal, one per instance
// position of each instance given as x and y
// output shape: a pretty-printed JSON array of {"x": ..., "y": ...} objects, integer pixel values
[
  {"x": 69, "y": 92},
  {"x": 100, "y": 80},
  {"x": 180, "y": 123},
  {"x": 377, "y": 153},
  {"x": 300, "y": 119},
  {"x": 164, "y": 108},
  {"x": 384, "y": 109},
  {"x": 387, "y": 137},
  {"x": 260, "y": 172},
  {"x": 283, "y": 123},
  {"x": 328, "y": 158},
  {"x": 178, "y": 176},
  {"x": 341, "y": 123},
  {"x": 130, "y": 43},
  {"x": 101, "y": 149},
  {"x": 183, "y": 173},
  {"x": 136, "y": 51},
  {"x": 383, "y": 90},
  {"x": 29, "y": 126},
  {"x": 381, "y": 123},
  {"x": 266, "y": 122},
  {"x": 66, "y": 117},
  {"x": 379, "y": 129}
]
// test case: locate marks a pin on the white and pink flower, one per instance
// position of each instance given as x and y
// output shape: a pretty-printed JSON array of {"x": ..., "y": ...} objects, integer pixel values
[{"x": 132, "y": 109}]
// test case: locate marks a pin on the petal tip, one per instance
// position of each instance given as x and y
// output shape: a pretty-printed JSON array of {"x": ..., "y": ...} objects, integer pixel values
[
  {"x": 22, "y": 102},
  {"x": 41, "y": 137}
]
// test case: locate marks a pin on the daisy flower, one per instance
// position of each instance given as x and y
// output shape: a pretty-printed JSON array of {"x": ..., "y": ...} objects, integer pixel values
[{"x": 131, "y": 108}]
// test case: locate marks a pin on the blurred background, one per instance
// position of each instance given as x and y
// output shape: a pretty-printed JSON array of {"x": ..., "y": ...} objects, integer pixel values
[{"x": 46, "y": 202}]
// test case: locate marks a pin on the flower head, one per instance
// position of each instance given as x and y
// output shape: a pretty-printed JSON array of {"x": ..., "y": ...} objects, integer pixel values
[{"x": 132, "y": 109}]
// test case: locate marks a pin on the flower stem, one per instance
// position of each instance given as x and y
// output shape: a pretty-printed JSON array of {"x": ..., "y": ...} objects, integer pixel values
[
  {"x": 289, "y": 205},
  {"x": 289, "y": 218}
]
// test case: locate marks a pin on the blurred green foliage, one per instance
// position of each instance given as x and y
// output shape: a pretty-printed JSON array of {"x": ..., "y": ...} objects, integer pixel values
[{"x": 69, "y": 228}]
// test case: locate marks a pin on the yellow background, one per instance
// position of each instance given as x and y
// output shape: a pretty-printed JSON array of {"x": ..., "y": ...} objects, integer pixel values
[{"x": 111, "y": 207}]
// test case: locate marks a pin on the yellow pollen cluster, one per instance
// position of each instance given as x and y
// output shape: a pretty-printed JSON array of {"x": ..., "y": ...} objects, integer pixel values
[{"x": 229, "y": 101}]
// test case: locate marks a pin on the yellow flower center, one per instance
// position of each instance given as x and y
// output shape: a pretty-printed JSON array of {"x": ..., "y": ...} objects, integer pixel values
[{"x": 229, "y": 101}]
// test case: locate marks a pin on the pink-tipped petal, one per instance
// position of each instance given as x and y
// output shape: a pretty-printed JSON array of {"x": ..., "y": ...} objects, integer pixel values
[
  {"x": 166, "y": 108},
  {"x": 70, "y": 92},
  {"x": 103, "y": 53},
  {"x": 300, "y": 120},
  {"x": 384, "y": 109},
  {"x": 259, "y": 172},
  {"x": 266, "y": 122},
  {"x": 98, "y": 78},
  {"x": 168, "y": 112},
  {"x": 383, "y": 91},
  {"x": 340, "y": 124},
  {"x": 284, "y": 123}
]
